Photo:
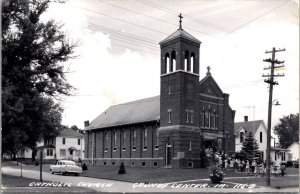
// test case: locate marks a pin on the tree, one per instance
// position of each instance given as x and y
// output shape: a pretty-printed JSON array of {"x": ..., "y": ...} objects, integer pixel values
[
  {"x": 288, "y": 130},
  {"x": 33, "y": 74},
  {"x": 250, "y": 146}
]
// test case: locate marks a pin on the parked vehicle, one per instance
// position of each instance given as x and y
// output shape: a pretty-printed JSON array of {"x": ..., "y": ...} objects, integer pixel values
[
  {"x": 296, "y": 164},
  {"x": 65, "y": 167}
]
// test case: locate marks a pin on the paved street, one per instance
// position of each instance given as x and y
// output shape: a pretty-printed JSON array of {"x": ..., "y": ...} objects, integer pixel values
[{"x": 102, "y": 185}]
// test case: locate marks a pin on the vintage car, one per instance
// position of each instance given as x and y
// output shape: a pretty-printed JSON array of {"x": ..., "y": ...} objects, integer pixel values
[{"x": 65, "y": 167}]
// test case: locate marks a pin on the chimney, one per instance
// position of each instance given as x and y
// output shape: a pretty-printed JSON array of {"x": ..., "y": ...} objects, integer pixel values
[
  {"x": 246, "y": 118},
  {"x": 86, "y": 123}
]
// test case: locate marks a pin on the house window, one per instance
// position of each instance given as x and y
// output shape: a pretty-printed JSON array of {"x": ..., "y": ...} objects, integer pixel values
[
  {"x": 63, "y": 141},
  {"x": 242, "y": 134},
  {"x": 49, "y": 152},
  {"x": 145, "y": 138},
  {"x": 169, "y": 116},
  {"x": 192, "y": 116},
  {"x": 260, "y": 137},
  {"x": 143, "y": 164},
  {"x": 190, "y": 146},
  {"x": 123, "y": 139},
  {"x": 275, "y": 156},
  {"x": 106, "y": 140},
  {"x": 78, "y": 141},
  {"x": 262, "y": 155},
  {"x": 62, "y": 152},
  {"x": 52, "y": 140},
  {"x": 115, "y": 140},
  {"x": 156, "y": 139},
  {"x": 154, "y": 164},
  {"x": 134, "y": 140}
]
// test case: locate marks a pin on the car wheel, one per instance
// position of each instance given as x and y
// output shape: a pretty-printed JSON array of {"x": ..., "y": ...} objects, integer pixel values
[
  {"x": 76, "y": 174},
  {"x": 51, "y": 171}
]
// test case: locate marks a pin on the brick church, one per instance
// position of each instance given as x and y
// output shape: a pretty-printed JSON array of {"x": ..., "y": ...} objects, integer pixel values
[{"x": 169, "y": 130}]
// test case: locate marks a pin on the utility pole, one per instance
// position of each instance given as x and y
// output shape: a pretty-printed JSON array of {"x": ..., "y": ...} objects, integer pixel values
[{"x": 271, "y": 82}]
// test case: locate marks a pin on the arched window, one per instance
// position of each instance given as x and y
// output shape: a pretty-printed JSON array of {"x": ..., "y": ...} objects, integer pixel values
[
  {"x": 207, "y": 119},
  {"x": 167, "y": 63},
  {"x": 242, "y": 136},
  {"x": 186, "y": 61},
  {"x": 173, "y": 61},
  {"x": 192, "y": 63}
]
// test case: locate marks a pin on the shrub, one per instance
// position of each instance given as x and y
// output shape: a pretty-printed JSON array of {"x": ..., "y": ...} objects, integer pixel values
[
  {"x": 122, "y": 169},
  {"x": 216, "y": 175},
  {"x": 84, "y": 166},
  {"x": 36, "y": 163}
]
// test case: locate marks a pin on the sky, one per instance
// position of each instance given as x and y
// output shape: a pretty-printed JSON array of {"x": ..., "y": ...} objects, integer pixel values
[{"x": 118, "y": 55}]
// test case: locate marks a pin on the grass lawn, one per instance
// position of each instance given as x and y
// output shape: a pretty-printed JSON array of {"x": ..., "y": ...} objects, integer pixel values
[
  {"x": 167, "y": 175},
  {"x": 151, "y": 175}
]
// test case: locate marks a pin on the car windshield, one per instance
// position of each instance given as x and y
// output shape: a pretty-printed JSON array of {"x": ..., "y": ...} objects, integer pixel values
[{"x": 69, "y": 163}]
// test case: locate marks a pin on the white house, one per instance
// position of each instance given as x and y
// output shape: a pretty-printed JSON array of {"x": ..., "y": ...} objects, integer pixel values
[
  {"x": 279, "y": 155},
  {"x": 69, "y": 144},
  {"x": 258, "y": 128},
  {"x": 293, "y": 151}
]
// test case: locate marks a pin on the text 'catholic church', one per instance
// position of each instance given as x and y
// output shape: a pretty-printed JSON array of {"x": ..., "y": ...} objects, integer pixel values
[{"x": 172, "y": 129}]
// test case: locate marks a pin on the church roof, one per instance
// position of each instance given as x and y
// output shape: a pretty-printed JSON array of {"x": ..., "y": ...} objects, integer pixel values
[
  {"x": 67, "y": 132},
  {"x": 248, "y": 126},
  {"x": 180, "y": 33},
  {"x": 139, "y": 111}
]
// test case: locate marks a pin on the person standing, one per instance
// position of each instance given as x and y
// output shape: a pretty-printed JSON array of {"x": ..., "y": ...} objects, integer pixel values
[{"x": 247, "y": 166}]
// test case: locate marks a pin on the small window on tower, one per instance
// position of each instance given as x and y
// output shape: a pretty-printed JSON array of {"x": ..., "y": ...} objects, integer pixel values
[
  {"x": 169, "y": 89},
  {"x": 192, "y": 116},
  {"x": 169, "y": 116},
  {"x": 187, "y": 115},
  {"x": 167, "y": 63},
  {"x": 193, "y": 63}
]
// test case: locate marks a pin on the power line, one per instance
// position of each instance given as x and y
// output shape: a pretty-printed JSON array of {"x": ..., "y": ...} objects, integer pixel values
[
  {"x": 256, "y": 18},
  {"x": 151, "y": 17},
  {"x": 124, "y": 34},
  {"x": 152, "y": 53},
  {"x": 125, "y": 39},
  {"x": 97, "y": 12},
  {"x": 170, "y": 11}
]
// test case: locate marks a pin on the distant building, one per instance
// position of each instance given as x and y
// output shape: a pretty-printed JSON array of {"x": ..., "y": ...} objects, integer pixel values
[
  {"x": 69, "y": 144},
  {"x": 171, "y": 129},
  {"x": 293, "y": 153},
  {"x": 259, "y": 130}
]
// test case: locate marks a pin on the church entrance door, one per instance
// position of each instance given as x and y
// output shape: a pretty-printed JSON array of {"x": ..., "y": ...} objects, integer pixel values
[{"x": 168, "y": 154}]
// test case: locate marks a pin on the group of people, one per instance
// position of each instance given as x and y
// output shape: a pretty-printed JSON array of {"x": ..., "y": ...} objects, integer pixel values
[{"x": 223, "y": 161}]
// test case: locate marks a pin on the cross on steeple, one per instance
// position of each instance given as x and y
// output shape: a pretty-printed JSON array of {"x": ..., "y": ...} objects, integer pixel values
[
  {"x": 208, "y": 70},
  {"x": 180, "y": 17}
]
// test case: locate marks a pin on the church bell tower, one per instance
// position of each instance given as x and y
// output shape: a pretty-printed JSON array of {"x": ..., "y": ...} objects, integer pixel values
[{"x": 179, "y": 132}]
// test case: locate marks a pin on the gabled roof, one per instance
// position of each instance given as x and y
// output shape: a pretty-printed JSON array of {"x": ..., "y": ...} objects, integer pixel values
[
  {"x": 278, "y": 149},
  {"x": 248, "y": 126},
  {"x": 67, "y": 132},
  {"x": 209, "y": 77},
  {"x": 180, "y": 33},
  {"x": 139, "y": 111},
  {"x": 297, "y": 143}
]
